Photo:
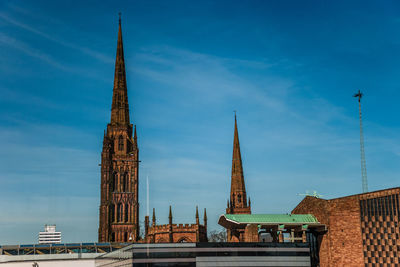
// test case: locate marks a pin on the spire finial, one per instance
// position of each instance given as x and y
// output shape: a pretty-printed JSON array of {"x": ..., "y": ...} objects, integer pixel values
[
  {"x": 154, "y": 216},
  {"x": 119, "y": 20}
]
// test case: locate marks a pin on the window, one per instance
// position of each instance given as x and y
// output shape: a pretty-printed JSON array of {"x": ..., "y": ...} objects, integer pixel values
[
  {"x": 126, "y": 212},
  {"x": 119, "y": 212},
  {"x": 120, "y": 143},
  {"x": 114, "y": 182},
  {"x": 112, "y": 213},
  {"x": 123, "y": 182}
]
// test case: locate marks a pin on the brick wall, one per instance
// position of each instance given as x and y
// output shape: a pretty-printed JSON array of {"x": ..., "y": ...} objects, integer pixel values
[
  {"x": 320, "y": 209},
  {"x": 355, "y": 240}
]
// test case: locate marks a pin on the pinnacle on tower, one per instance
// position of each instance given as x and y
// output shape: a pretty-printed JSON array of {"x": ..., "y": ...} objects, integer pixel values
[
  {"x": 170, "y": 215},
  {"x": 135, "y": 136},
  {"x": 197, "y": 215},
  {"x": 154, "y": 217}
]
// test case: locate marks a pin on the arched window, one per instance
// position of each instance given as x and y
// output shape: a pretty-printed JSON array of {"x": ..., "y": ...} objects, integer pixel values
[
  {"x": 120, "y": 143},
  {"x": 239, "y": 198},
  {"x": 123, "y": 181},
  {"x": 125, "y": 237},
  {"x": 112, "y": 213},
  {"x": 126, "y": 212},
  {"x": 119, "y": 209},
  {"x": 113, "y": 185},
  {"x": 127, "y": 189}
]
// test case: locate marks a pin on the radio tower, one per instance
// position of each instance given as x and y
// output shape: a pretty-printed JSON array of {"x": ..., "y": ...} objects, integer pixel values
[{"x": 362, "y": 152}]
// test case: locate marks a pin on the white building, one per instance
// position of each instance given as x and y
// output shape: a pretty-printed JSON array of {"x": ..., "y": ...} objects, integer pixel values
[{"x": 49, "y": 236}]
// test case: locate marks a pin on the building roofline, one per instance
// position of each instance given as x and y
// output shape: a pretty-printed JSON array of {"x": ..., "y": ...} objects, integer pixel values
[{"x": 372, "y": 192}]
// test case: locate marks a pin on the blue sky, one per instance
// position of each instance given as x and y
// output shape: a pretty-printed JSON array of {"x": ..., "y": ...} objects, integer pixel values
[{"x": 289, "y": 68}]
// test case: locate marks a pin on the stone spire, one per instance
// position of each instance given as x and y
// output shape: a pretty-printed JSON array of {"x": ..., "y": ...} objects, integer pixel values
[
  {"x": 135, "y": 136},
  {"x": 119, "y": 164},
  {"x": 170, "y": 226},
  {"x": 120, "y": 106},
  {"x": 238, "y": 199},
  {"x": 197, "y": 215},
  {"x": 170, "y": 215},
  {"x": 154, "y": 217},
  {"x": 205, "y": 218}
]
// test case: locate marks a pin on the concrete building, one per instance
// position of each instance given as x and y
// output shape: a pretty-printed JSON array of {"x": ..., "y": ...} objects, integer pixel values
[
  {"x": 50, "y": 235},
  {"x": 55, "y": 255},
  {"x": 363, "y": 229},
  {"x": 208, "y": 254}
]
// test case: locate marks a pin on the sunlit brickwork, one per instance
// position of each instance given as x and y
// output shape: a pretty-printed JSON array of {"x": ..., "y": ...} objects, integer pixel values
[{"x": 363, "y": 229}]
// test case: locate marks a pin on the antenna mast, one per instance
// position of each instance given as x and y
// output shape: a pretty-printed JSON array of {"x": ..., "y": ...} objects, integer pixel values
[{"x": 362, "y": 152}]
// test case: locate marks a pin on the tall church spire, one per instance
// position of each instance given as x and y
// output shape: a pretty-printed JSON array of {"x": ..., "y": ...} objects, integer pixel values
[
  {"x": 119, "y": 202},
  {"x": 120, "y": 106},
  {"x": 238, "y": 199}
]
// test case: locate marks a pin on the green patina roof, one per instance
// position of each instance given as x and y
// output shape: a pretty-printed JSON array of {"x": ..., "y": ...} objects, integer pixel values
[{"x": 272, "y": 218}]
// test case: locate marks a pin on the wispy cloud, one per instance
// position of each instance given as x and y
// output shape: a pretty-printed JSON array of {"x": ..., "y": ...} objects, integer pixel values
[
  {"x": 97, "y": 55},
  {"x": 209, "y": 77},
  {"x": 30, "y": 51}
]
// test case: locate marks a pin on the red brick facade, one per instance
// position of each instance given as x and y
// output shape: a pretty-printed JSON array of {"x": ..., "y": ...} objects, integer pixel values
[
  {"x": 175, "y": 233},
  {"x": 363, "y": 230},
  {"x": 119, "y": 207}
]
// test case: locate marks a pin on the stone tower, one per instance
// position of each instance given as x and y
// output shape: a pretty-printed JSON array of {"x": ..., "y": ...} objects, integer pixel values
[
  {"x": 119, "y": 207},
  {"x": 238, "y": 199}
]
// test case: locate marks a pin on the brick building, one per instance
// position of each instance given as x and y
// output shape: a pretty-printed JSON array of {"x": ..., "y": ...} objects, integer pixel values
[
  {"x": 175, "y": 233},
  {"x": 119, "y": 207},
  {"x": 363, "y": 229}
]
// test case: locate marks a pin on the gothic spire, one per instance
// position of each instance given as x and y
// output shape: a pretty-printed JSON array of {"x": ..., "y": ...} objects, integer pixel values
[
  {"x": 154, "y": 217},
  {"x": 120, "y": 106},
  {"x": 170, "y": 215},
  {"x": 237, "y": 182},
  {"x": 238, "y": 199},
  {"x": 197, "y": 215},
  {"x": 135, "y": 136}
]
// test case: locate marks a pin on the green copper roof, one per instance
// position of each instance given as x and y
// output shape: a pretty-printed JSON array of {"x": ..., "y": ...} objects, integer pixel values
[{"x": 272, "y": 218}]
